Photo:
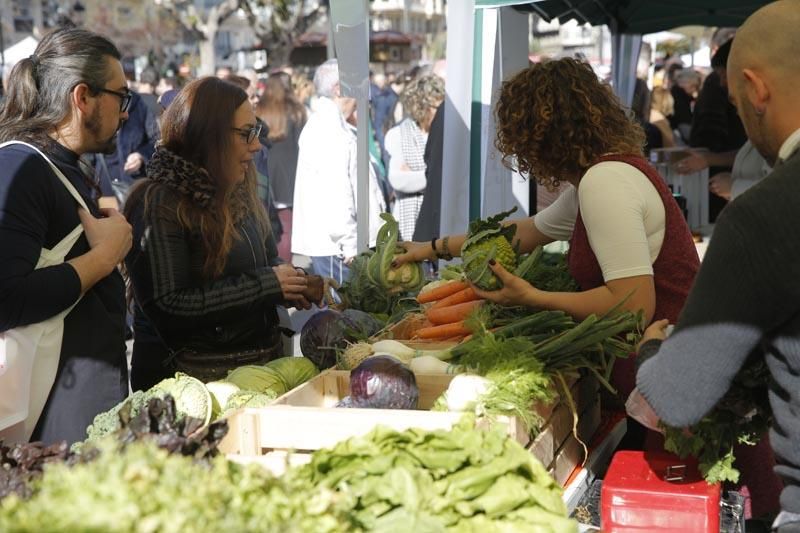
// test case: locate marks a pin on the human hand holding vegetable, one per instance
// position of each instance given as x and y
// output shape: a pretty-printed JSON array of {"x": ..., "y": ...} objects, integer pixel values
[
  {"x": 515, "y": 290},
  {"x": 293, "y": 283},
  {"x": 656, "y": 330}
]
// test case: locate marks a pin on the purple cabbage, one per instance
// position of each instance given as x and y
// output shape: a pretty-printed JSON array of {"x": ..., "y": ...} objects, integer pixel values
[
  {"x": 383, "y": 382},
  {"x": 323, "y": 334}
]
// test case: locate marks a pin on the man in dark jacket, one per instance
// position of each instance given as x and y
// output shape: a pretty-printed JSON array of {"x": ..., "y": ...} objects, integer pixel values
[
  {"x": 746, "y": 299},
  {"x": 80, "y": 112}
]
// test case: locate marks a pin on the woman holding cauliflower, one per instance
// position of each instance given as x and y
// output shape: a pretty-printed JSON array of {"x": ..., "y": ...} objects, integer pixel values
[{"x": 557, "y": 122}]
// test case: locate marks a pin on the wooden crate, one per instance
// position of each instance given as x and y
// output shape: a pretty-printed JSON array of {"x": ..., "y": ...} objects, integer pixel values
[
  {"x": 571, "y": 452},
  {"x": 558, "y": 426},
  {"x": 304, "y": 419}
]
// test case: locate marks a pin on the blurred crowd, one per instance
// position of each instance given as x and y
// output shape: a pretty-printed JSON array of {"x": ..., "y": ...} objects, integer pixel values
[{"x": 402, "y": 108}]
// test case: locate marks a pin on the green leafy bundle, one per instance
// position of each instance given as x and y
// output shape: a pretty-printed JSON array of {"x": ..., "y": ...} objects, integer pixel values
[
  {"x": 436, "y": 481},
  {"x": 542, "y": 347},
  {"x": 374, "y": 285},
  {"x": 550, "y": 273},
  {"x": 742, "y": 416},
  {"x": 142, "y": 488}
]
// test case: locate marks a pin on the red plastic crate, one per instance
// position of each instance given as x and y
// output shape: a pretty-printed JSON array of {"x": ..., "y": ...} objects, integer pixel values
[{"x": 637, "y": 498}]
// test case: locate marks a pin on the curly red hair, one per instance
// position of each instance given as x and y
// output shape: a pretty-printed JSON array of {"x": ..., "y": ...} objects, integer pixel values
[{"x": 555, "y": 119}]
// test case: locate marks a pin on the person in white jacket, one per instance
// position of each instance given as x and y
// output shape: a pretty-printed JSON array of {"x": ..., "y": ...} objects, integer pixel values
[{"x": 324, "y": 216}]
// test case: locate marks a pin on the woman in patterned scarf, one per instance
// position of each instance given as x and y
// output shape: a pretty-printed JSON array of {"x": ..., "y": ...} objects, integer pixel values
[
  {"x": 405, "y": 144},
  {"x": 204, "y": 269}
]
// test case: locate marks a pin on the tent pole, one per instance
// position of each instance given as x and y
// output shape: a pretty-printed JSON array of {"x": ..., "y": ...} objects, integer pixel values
[{"x": 476, "y": 120}]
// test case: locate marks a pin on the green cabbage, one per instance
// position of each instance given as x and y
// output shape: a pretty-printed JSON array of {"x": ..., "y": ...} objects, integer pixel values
[
  {"x": 191, "y": 399},
  {"x": 220, "y": 391},
  {"x": 294, "y": 370},
  {"x": 258, "y": 378},
  {"x": 248, "y": 398}
]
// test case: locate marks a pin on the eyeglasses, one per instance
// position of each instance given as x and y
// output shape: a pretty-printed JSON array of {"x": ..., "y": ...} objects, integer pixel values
[
  {"x": 124, "y": 97},
  {"x": 249, "y": 134}
]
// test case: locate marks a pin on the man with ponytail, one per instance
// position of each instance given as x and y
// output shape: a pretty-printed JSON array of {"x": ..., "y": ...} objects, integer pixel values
[{"x": 58, "y": 251}]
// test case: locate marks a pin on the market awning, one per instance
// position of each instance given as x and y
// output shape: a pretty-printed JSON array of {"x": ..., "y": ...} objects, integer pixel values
[{"x": 638, "y": 17}]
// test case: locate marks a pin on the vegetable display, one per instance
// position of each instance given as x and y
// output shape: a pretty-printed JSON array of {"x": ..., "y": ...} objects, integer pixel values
[{"x": 432, "y": 481}]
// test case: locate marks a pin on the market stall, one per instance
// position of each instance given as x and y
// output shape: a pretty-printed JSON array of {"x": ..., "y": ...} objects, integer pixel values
[{"x": 416, "y": 404}]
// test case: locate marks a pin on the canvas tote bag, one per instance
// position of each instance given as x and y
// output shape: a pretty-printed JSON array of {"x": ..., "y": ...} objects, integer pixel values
[{"x": 29, "y": 355}]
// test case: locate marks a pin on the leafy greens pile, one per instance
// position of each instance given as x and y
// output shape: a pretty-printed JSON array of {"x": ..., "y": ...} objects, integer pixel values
[
  {"x": 742, "y": 416},
  {"x": 434, "y": 481},
  {"x": 150, "y": 477},
  {"x": 143, "y": 488}
]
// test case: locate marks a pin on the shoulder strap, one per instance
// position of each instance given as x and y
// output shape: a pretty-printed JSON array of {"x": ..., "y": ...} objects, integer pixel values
[{"x": 74, "y": 192}]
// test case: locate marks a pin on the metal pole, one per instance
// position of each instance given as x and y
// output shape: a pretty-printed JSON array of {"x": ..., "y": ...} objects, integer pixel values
[{"x": 362, "y": 214}]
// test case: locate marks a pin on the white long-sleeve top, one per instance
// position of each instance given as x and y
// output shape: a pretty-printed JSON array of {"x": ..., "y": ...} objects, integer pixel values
[
  {"x": 324, "y": 211},
  {"x": 403, "y": 180}
]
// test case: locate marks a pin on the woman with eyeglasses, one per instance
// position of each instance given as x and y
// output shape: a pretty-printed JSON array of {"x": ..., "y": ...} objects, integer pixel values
[{"x": 204, "y": 270}]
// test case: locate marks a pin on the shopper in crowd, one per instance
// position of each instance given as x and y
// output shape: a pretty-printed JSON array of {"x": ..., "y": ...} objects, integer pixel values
[
  {"x": 324, "y": 206},
  {"x": 303, "y": 90},
  {"x": 628, "y": 238},
  {"x": 148, "y": 81},
  {"x": 285, "y": 118},
  {"x": 383, "y": 99},
  {"x": 135, "y": 144},
  {"x": 261, "y": 162},
  {"x": 640, "y": 107},
  {"x": 662, "y": 106},
  {"x": 716, "y": 127},
  {"x": 684, "y": 91},
  {"x": 746, "y": 301},
  {"x": 749, "y": 167},
  {"x": 204, "y": 270},
  {"x": 430, "y": 212},
  {"x": 167, "y": 83},
  {"x": 67, "y": 99},
  {"x": 405, "y": 146}
]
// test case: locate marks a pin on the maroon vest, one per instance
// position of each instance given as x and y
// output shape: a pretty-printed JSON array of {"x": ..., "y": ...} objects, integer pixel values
[{"x": 673, "y": 271}]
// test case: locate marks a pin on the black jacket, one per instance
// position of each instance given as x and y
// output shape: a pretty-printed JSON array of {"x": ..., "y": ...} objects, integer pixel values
[
  {"x": 176, "y": 303},
  {"x": 37, "y": 211}
]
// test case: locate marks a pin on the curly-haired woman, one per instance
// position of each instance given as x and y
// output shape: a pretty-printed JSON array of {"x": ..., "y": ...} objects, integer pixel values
[
  {"x": 204, "y": 269},
  {"x": 405, "y": 144},
  {"x": 557, "y": 122}
]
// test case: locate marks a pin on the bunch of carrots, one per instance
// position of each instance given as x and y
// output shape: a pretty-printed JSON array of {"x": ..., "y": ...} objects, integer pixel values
[{"x": 451, "y": 304}]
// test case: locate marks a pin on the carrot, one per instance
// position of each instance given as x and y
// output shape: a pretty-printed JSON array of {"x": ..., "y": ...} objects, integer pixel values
[
  {"x": 444, "y": 331},
  {"x": 464, "y": 295},
  {"x": 453, "y": 313},
  {"x": 442, "y": 291}
]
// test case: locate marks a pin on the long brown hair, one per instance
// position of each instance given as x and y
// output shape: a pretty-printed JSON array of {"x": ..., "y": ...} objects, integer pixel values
[
  {"x": 40, "y": 86},
  {"x": 278, "y": 106},
  {"x": 197, "y": 126},
  {"x": 556, "y": 119}
]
